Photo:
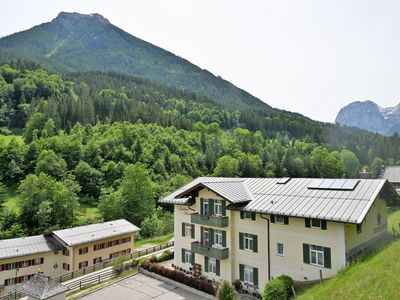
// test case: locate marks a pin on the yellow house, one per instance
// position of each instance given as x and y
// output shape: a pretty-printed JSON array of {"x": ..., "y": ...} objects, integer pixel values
[
  {"x": 255, "y": 229},
  {"x": 63, "y": 251}
]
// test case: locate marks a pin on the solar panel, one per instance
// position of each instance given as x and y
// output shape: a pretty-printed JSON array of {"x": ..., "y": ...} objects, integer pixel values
[
  {"x": 283, "y": 180},
  {"x": 333, "y": 184}
]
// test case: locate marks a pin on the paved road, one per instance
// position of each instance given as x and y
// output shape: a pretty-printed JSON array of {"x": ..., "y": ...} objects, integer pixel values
[{"x": 142, "y": 287}]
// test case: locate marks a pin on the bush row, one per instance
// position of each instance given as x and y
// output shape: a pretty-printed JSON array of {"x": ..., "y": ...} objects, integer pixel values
[{"x": 194, "y": 282}]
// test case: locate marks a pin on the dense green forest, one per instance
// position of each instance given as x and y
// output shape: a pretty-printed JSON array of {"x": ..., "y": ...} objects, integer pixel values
[{"x": 119, "y": 142}]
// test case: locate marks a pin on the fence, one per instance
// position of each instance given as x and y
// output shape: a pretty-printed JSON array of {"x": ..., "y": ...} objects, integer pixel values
[
  {"x": 108, "y": 263},
  {"x": 89, "y": 280}
]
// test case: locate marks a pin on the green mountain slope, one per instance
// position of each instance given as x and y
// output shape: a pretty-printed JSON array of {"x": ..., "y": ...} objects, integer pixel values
[{"x": 76, "y": 42}]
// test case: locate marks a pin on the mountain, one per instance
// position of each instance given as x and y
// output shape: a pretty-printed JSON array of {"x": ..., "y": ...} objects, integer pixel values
[
  {"x": 370, "y": 116},
  {"x": 77, "y": 42}
]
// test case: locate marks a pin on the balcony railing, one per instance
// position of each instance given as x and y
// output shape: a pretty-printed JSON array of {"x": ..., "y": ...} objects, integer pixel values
[
  {"x": 218, "y": 253},
  {"x": 213, "y": 221}
]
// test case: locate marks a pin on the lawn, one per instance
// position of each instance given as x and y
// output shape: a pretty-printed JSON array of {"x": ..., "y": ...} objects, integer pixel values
[
  {"x": 375, "y": 277},
  {"x": 11, "y": 200},
  {"x": 154, "y": 240},
  {"x": 89, "y": 214}
]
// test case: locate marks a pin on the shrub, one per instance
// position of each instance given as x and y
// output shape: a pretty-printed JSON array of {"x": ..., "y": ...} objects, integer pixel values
[
  {"x": 153, "y": 259},
  {"x": 226, "y": 291},
  {"x": 134, "y": 263},
  {"x": 237, "y": 284},
  {"x": 275, "y": 290},
  {"x": 118, "y": 265},
  {"x": 166, "y": 255},
  {"x": 288, "y": 282}
]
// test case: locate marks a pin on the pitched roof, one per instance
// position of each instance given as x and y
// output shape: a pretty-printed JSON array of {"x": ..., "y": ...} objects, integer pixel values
[
  {"x": 391, "y": 173},
  {"x": 343, "y": 200},
  {"x": 41, "y": 287},
  {"x": 93, "y": 232},
  {"x": 27, "y": 245}
]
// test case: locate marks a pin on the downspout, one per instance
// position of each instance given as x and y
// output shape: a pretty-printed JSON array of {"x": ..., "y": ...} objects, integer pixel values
[{"x": 268, "y": 248}]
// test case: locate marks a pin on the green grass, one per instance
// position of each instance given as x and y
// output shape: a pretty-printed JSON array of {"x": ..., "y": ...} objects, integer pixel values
[
  {"x": 154, "y": 240},
  {"x": 394, "y": 221},
  {"x": 11, "y": 200},
  {"x": 377, "y": 276},
  {"x": 87, "y": 213}
]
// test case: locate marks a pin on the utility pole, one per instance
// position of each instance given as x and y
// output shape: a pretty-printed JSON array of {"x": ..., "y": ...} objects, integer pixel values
[{"x": 16, "y": 280}]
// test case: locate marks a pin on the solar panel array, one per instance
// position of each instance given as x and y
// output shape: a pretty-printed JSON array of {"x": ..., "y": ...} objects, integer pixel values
[{"x": 333, "y": 184}]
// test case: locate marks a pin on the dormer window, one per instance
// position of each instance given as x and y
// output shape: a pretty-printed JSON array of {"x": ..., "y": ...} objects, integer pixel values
[
  {"x": 316, "y": 223},
  {"x": 206, "y": 207}
]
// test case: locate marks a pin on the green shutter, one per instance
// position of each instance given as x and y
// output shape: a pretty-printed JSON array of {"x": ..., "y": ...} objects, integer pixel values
[
  {"x": 183, "y": 255},
  {"x": 241, "y": 240},
  {"x": 217, "y": 267},
  {"x": 241, "y": 272},
  {"x": 201, "y": 206},
  {"x": 327, "y": 257},
  {"x": 242, "y": 214},
  {"x": 323, "y": 224},
  {"x": 255, "y": 276},
  {"x": 253, "y": 216},
  {"x": 183, "y": 229},
  {"x": 272, "y": 218},
  {"x": 255, "y": 243},
  {"x": 307, "y": 222},
  {"x": 211, "y": 237},
  {"x": 306, "y": 253},
  {"x": 202, "y": 235},
  {"x": 192, "y": 231},
  {"x": 210, "y": 207},
  {"x": 223, "y": 208},
  {"x": 224, "y": 238},
  {"x": 192, "y": 260},
  {"x": 286, "y": 220},
  {"x": 206, "y": 264}
]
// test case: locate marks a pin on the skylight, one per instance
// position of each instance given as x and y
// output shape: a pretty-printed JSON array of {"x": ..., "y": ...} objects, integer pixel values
[{"x": 334, "y": 184}]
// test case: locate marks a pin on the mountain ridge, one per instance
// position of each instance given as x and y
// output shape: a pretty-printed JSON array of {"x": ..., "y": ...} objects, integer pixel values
[{"x": 370, "y": 116}]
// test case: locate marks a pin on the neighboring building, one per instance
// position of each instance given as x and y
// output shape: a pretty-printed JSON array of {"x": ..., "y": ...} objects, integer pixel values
[
  {"x": 63, "y": 251},
  {"x": 255, "y": 229},
  {"x": 42, "y": 287},
  {"x": 392, "y": 174}
]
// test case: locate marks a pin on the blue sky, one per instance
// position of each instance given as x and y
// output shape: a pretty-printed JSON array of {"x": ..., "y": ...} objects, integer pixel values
[{"x": 312, "y": 57}]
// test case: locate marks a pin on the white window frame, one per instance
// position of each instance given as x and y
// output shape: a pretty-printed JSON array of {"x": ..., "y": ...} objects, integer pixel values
[
  {"x": 248, "y": 242},
  {"x": 218, "y": 208},
  {"x": 248, "y": 215},
  {"x": 188, "y": 257},
  {"x": 37, "y": 261},
  {"x": 314, "y": 226},
  {"x": 217, "y": 243},
  {"x": 279, "y": 219},
  {"x": 11, "y": 266},
  {"x": 206, "y": 207},
  {"x": 318, "y": 252},
  {"x": 279, "y": 246},
  {"x": 248, "y": 275},
  {"x": 212, "y": 265},
  {"x": 206, "y": 233},
  {"x": 24, "y": 264},
  {"x": 188, "y": 230},
  {"x": 12, "y": 281}
]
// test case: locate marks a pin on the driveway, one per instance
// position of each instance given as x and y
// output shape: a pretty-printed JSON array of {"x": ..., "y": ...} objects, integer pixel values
[{"x": 142, "y": 287}]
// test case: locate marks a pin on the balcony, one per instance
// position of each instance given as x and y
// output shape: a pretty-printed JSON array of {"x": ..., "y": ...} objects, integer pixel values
[
  {"x": 217, "y": 253},
  {"x": 212, "y": 221}
]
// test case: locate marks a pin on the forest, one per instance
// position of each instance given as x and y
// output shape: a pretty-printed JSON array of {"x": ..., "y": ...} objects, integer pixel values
[{"x": 118, "y": 143}]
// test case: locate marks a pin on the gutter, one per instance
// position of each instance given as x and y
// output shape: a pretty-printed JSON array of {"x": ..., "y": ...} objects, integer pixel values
[{"x": 268, "y": 248}]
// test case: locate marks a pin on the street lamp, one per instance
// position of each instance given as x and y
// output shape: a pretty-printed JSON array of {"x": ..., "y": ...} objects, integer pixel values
[{"x": 16, "y": 280}]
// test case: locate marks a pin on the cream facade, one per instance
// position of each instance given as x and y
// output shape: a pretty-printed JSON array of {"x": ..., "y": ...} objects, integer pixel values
[
  {"x": 231, "y": 243},
  {"x": 57, "y": 255}
]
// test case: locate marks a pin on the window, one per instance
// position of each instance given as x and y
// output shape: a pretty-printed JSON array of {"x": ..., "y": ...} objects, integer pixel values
[
  {"x": 218, "y": 207},
  {"x": 248, "y": 275},
  {"x": 65, "y": 266},
  {"x": 187, "y": 256},
  {"x": 248, "y": 242},
  {"x": 83, "y": 250},
  {"x": 379, "y": 219},
  {"x": 97, "y": 260},
  {"x": 279, "y": 219},
  {"x": 359, "y": 228},
  {"x": 316, "y": 223},
  {"x": 317, "y": 255},
  {"x": 206, "y": 207},
  {"x": 279, "y": 249},
  {"x": 37, "y": 261},
  {"x": 12, "y": 281},
  {"x": 23, "y": 264},
  {"x": 11, "y": 266},
  {"x": 113, "y": 255},
  {"x": 83, "y": 264},
  {"x": 218, "y": 239},
  {"x": 188, "y": 230},
  {"x": 212, "y": 265},
  {"x": 206, "y": 237},
  {"x": 65, "y": 252},
  {"x": 248, "y": 215}
]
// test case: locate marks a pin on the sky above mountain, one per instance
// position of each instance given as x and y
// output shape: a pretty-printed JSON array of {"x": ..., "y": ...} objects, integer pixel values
[{"x": 312, "y": 57}]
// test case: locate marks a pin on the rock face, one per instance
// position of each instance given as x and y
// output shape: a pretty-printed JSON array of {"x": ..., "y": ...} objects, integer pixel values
[{"x": 370, "y": 116}]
